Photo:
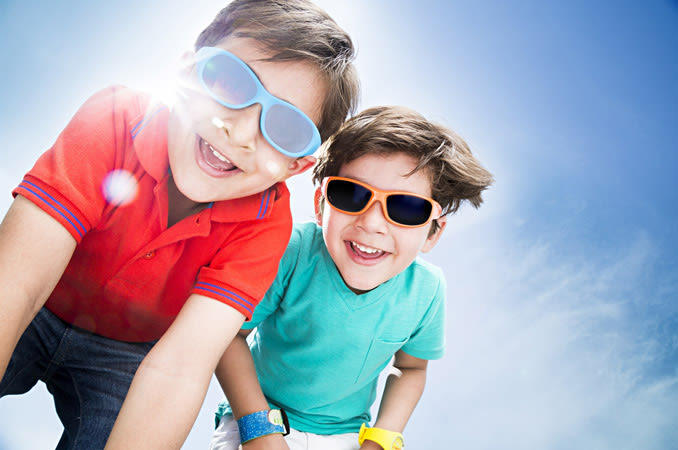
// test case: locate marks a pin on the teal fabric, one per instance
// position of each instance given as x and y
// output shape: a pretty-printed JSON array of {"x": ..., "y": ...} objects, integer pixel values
[{"x": 319, "y": 348}]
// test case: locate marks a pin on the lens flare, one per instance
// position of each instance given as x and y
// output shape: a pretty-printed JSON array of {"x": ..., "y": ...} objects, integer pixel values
[
  {"x": 119, "y": 187},
  {"x": 217, "y": 122},
  {"x": 274, "y": 169}
]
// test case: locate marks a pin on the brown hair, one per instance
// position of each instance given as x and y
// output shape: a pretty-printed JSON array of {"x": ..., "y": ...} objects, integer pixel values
[
  {"x": 296, "y": 30},
  {"x": 455, "y": 174}
]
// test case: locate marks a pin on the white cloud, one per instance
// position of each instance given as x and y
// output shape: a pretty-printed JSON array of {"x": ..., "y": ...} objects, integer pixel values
[{"x": 548, "y": 351}]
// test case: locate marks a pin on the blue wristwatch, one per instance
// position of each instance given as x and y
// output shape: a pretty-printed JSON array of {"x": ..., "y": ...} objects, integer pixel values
[{"x": 263, "y": 423}]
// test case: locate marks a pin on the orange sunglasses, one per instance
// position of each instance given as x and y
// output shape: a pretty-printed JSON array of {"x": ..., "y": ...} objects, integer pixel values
[{"x": 404, "y": 209}]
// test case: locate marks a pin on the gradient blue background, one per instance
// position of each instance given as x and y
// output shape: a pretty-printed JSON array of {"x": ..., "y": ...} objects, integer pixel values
[{"x": 563, "y": 289}]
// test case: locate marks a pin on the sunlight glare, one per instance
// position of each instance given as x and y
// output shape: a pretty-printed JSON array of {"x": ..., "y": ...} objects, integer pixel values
[{"x": 119, "y": 187}]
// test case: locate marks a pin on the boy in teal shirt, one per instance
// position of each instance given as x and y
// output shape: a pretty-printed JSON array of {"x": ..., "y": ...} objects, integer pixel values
[{"x": 351, "y": 293}]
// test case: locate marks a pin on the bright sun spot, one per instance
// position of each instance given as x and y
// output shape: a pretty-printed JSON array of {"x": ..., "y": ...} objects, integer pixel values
[
  {"x": 217, "y": 122},
  {"x": 274, "y": 168},
  {"x": 119, "y": 187}
]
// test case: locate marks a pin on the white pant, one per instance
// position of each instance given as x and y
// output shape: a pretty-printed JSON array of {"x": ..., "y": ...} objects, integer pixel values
[{"x": 227, "y": 437}]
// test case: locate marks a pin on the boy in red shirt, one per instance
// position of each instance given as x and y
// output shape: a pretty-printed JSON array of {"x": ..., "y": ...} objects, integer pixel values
[{"x": 149, "y": 222}]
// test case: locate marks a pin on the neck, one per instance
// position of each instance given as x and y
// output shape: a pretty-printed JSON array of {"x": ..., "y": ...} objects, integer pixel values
[{"x": 178, "y": 205}]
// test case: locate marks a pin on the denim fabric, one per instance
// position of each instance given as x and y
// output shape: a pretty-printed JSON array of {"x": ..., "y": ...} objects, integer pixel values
[{"x": 88, "y": 376}]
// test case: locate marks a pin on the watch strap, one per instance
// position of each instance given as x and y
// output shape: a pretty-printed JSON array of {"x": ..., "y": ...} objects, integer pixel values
[
  {"x": 389, "y": 440},
  {"x": 263, "y": 423}
]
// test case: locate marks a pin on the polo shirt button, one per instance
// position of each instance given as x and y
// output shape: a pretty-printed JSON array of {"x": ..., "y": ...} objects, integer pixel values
[{"x": 149, "y": 255}]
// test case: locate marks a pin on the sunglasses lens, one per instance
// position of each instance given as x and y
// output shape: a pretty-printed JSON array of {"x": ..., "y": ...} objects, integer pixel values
[
  {"x": 228, "y": 80},
  {"x": 288, "y": 129},
  {"x": 347, "y": 196},
  {"x": 408, "y": 209}
]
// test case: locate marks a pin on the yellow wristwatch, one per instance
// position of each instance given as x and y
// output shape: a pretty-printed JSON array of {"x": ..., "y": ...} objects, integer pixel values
[{"x": 389, "y": 440}]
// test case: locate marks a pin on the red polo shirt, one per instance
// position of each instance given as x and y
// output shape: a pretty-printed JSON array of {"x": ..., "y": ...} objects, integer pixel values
[{"x": 130, "y": 274}]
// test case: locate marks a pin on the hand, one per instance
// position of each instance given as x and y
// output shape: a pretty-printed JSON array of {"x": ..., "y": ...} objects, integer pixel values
[{"x": 269, "y": 442}]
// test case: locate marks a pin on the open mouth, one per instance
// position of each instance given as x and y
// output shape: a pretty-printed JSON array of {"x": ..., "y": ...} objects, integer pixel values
[
  {"x": 212, "y": 157},
  {"x": 364, "y": 253},
  {"x": 212, "y": 161}
]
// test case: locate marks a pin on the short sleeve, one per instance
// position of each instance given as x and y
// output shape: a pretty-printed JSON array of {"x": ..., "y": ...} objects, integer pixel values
[
  {"x": 67, "y": 179},
  {"x": 244, "y": 268},
  {"x": 276, "y": 292},
  {"x": 428, "y": 339}
]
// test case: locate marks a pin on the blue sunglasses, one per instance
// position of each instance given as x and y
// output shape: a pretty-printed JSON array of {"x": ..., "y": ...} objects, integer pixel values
[{"x": 231, "y": 82}]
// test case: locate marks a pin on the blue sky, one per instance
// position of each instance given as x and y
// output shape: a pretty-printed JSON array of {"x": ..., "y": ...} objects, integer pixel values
[{"x": 563, "y": 288}]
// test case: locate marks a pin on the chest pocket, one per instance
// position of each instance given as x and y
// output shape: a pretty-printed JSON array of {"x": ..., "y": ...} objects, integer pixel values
[{"x": 378, "y": 356}]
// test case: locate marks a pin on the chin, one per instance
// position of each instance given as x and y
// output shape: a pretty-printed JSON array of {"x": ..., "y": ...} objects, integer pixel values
[
  {"x": 359, "y": 287},
  {"x": 195, "y": 195}
]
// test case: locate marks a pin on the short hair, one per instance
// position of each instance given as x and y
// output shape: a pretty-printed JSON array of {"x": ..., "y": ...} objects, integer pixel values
[
  {"x": 456, "y": 175},
  {"x": 296, "y": 30}
]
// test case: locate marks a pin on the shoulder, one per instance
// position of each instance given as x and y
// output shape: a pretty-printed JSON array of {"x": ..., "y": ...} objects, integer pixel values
[
  {"x": 304, "y": 242},
  {"x": 422, "y": 271},
  {"x": 303, "y": 249},
  {"x": 421, "y": 281},
  {"x": 306, "y": 236},
  {"x": 118, "y": 98},
  {"x": 111, "y": 111}
]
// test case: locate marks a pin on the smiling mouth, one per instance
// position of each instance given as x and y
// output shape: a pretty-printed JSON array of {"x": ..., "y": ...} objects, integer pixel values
[
  {"x": 365, "y": 252},
  {"x": 213, "y": 158}
]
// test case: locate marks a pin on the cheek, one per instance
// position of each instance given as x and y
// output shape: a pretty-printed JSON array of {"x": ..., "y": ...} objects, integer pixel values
[
  {"x": 411, "y": 241},
  {"x": 271, "y": 163},
  {"x": 274, "y": 169},
  {"x": 177, "y": 138},
  {"x": 332, "y": 224},
  {"x": 203, "y": 114}
]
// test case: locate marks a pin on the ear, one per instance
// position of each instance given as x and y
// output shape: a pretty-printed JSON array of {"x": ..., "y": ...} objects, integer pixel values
[
  {"x": 299, "y": 165},
  {"x": 432, "y": 240},
  {"x": 318, "y": 209}
]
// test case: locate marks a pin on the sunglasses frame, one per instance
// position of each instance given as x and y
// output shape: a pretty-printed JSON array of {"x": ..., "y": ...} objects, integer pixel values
[
  {"x": 262, "y": 96},
  {"x": 379, "y": 195}
]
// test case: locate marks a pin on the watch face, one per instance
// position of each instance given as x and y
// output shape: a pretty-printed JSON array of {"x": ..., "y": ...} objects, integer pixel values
[
  {"x": 398, "y": 444},
  {"x": 275, "y": 417}
]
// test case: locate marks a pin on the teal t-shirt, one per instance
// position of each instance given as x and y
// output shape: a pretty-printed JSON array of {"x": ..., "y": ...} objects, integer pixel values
[{"x": 319, "y": 348}]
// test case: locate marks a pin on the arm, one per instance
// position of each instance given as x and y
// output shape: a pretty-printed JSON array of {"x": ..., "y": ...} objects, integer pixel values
[
  {"x": 171, "y": 382},
  {"x": 401, "y": 394},
  {"x": 34, "y": 252},
  {"x": 238, "y": 379}
]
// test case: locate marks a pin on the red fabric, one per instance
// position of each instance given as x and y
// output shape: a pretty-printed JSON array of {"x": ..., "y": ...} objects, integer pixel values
[{"x": 130, "y": 275}]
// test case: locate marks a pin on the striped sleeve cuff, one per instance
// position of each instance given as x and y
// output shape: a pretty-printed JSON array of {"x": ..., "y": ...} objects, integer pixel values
[
  {"x": 59, "y": 209},
  {"x": 220, "y": 293}
]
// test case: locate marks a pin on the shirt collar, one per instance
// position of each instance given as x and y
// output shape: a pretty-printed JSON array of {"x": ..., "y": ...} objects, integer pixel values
[
  {"x": 148, "y": 131},
  {"x": 254, "y": 207}
]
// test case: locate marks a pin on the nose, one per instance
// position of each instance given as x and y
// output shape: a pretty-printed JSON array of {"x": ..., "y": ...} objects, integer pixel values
[
  {"x": 373, "y": 219},
  {"x": 244, "y": 129}
]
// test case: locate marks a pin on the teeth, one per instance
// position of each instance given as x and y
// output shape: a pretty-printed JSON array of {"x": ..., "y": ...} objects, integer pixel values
[
  {"x": 218, "y": 155},
  {"x": 364, "y": 249}
]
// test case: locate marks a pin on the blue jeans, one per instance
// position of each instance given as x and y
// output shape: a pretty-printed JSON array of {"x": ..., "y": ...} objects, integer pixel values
[{"x": 88, "y": 376}]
